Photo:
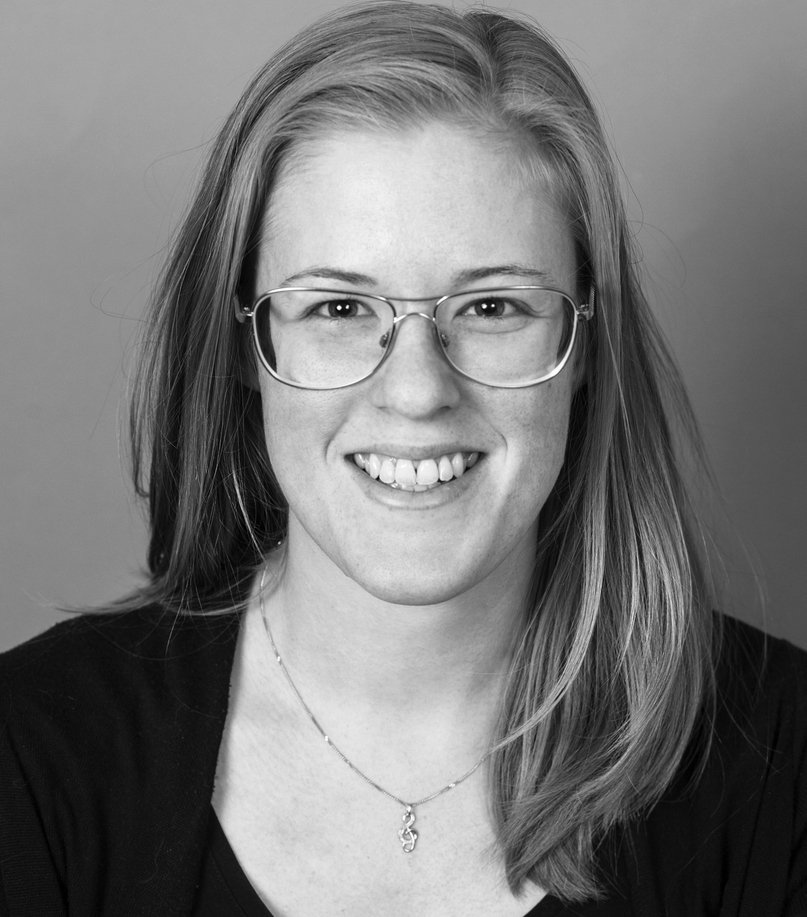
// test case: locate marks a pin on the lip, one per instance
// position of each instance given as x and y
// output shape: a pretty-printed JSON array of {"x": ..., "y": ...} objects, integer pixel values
[
  {"x": 415, "y": 453},
  {"x": 393, "y": 498}
]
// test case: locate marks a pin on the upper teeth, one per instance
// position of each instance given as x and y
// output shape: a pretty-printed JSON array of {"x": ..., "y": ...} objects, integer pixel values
[{"x": 408, "y": 474}]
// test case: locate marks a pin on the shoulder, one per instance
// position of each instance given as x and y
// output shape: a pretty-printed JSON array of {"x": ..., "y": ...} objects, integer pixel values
[
  {"x": 737, "y": 834},
  {"x": 759, "y": 753},
  {"x": 109, "y": 733},
  {"x": 744, "y": 646},
  {"x": 114, "y": 657},
  {"x": 761, "y": 689},
  {"x": 110, "y": 688},
  {"x": 99, "y": 684},
  {"x": 756, "y": 721}
]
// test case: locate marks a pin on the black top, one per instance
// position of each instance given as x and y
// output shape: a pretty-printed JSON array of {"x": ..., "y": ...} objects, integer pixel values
[
  {"x": 226, "y": 892},
  {"x": 109, "y": 734}
]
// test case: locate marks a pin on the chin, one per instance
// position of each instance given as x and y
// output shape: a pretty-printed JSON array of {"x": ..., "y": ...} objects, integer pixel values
[
  {"x": 414, "y": 583},
  {"x": 419, "y": 594}
]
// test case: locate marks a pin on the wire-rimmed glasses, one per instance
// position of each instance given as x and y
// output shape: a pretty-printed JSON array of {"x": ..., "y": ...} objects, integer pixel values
[{"x": 507, "y": 337}]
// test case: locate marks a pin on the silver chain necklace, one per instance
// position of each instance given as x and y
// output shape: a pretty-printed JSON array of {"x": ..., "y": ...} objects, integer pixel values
[{"x": 407, "y": 834}]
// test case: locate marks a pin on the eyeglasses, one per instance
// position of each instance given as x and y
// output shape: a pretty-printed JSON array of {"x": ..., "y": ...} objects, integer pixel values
[{"x": 508, "y": 337}]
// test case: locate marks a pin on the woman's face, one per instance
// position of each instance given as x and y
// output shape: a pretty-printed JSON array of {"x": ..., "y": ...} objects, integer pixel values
[{"x": 413, "y": 213}]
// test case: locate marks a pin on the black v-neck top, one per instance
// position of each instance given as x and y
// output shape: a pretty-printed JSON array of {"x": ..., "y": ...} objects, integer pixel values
[
  {"x": 225, "y": 891},
  {"x": 110, "y": 727}
]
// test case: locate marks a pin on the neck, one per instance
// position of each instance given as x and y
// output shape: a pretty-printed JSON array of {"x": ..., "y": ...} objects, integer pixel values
[
  {"x": 340, "y": 641},
  {"x": 411, "y": 694}
]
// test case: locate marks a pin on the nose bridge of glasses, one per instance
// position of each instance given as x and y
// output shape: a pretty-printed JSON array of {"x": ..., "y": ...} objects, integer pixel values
[
  {"x": 397, "y": 329},
  {"x": 398, "y": 321},
  {"x": 400, "y": 318}
]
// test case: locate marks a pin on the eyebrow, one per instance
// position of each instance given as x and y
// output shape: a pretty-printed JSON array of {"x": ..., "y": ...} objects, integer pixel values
[{"x": 472, "y": 275}]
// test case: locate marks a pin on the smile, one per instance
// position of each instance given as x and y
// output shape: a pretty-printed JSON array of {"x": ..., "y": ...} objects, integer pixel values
[{"x": 415, "y": 476}]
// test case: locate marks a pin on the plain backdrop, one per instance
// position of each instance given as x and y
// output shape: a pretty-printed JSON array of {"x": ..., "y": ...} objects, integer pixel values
[{"x": 106, "y": 109}]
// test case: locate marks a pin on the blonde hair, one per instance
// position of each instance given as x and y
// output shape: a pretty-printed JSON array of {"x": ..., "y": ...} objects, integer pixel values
[{"x": 613, "y": 670}]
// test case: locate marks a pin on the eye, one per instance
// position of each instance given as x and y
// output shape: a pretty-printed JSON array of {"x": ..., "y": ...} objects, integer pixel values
[
  {"x": 340, "y": 308},
  {"x": 490, "y": 307}
]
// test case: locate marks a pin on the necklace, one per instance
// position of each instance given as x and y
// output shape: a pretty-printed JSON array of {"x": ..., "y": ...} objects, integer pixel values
[{"x": 407, "y": 835}]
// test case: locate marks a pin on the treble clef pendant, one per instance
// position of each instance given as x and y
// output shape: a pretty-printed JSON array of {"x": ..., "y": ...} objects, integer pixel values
[{"x": 407, "y": 835}]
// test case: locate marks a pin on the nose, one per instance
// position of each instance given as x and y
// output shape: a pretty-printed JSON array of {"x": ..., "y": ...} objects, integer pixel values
[{"x": 416, "y": 380}]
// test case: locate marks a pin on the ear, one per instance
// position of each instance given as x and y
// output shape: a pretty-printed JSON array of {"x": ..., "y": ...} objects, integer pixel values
[{"x": 246, "y": 367}]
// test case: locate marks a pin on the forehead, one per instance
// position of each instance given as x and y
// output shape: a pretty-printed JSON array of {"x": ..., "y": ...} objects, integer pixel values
[{"x": 411, "y": 207}]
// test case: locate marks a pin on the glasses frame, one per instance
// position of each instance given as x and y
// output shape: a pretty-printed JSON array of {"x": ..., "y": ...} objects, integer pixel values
[{"x": 583, "y": 312}]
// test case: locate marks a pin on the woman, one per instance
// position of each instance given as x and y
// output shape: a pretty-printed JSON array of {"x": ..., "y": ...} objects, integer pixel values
[{"x": 428, "y": 627}]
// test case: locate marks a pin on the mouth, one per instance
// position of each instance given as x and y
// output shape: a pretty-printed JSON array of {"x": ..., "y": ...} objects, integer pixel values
[{"x": 415, "y": 475}]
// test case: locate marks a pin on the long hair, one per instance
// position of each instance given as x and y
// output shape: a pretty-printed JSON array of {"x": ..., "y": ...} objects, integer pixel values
[{"x": 613, "y": 669}]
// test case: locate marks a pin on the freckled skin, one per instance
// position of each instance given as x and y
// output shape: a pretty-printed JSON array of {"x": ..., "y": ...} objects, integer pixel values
[{"x": 413, "y": 209}]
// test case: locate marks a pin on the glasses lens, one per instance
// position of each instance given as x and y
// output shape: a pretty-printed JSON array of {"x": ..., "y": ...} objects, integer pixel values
[
  {"x": 322, "y": 338},
  {"x": 508, "y": 336}
]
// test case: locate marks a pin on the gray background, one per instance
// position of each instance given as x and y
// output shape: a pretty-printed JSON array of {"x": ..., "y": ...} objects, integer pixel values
[{"x": 105, "y": 110}]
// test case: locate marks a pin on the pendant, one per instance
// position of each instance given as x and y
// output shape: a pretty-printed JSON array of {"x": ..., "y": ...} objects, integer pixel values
[{"x": 407, "y": 835}]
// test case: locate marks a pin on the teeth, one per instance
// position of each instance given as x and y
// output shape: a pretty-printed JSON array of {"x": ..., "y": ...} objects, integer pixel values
[
  {"x": 387, "y": 472},
  {"x": 427, "y": 472},
  {"x": 416, "y": 476},
  {"x": 445, "y": 468},
  {"x": 405, "y": 472}
]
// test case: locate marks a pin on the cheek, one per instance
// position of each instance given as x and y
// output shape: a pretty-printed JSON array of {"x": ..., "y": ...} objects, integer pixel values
[
  {"x": 537, "y": 445},
  {"x": 298, "y": 428},
  {"x": 279, "y": 432},
  {"x": 290, "y": 434}
]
